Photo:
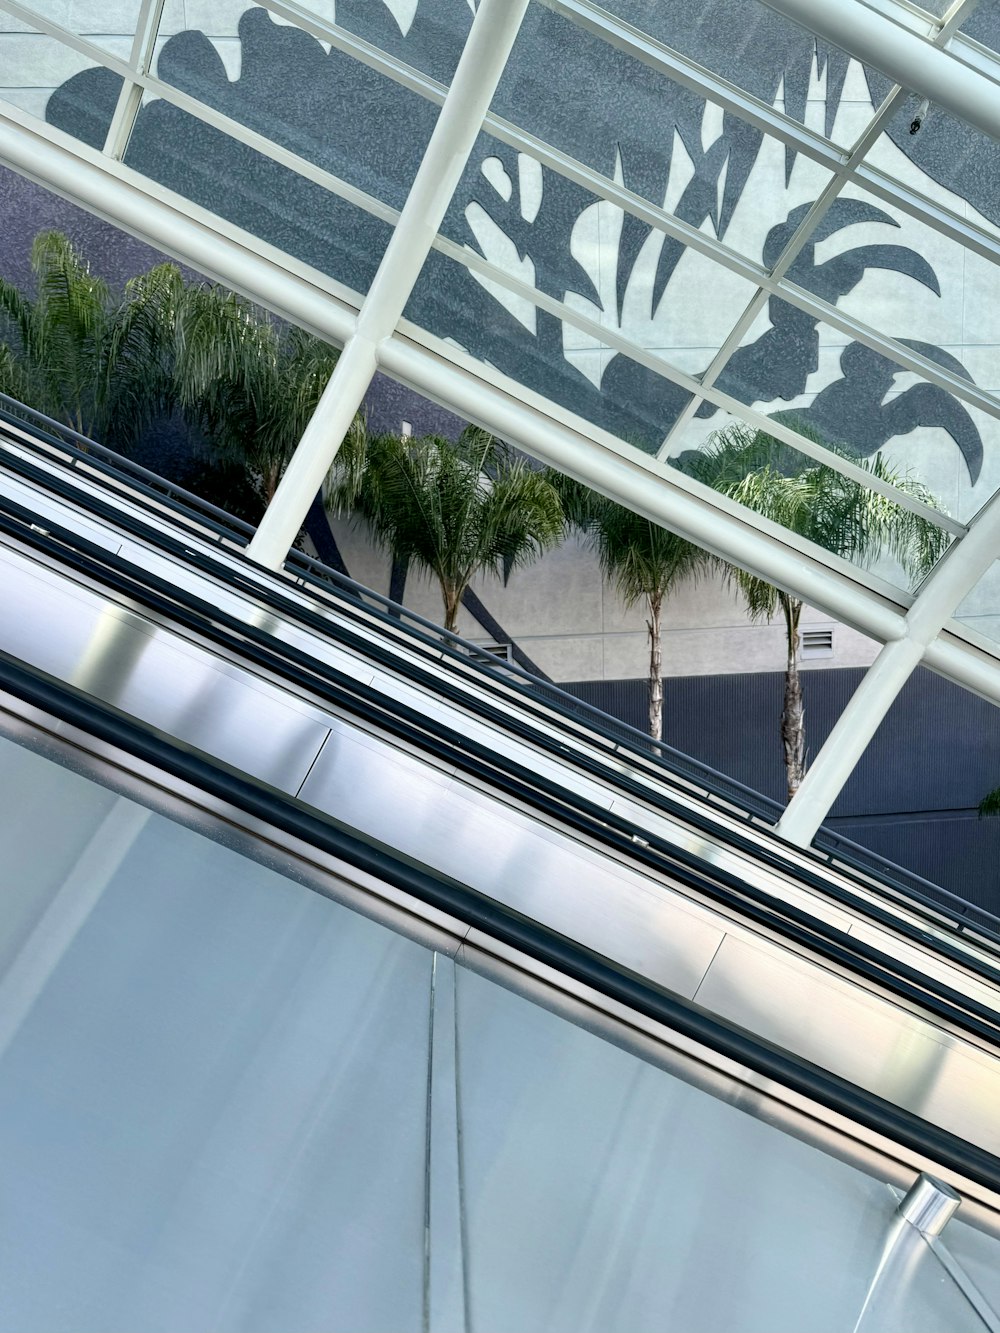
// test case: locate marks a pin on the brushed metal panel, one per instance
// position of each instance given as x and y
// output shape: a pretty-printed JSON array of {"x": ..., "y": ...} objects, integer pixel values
[
  {"x": 242, "y": 606},
  {"x": 48, "y": 507},
  {"x": 927, "y": 962},
  {"x": 427, "y": 812},
  {"x": 500, "y": 742},
  {"x": 143, "y": 669},
  {"x": 863, "y": 1037},
  {"x": 512, "y": 858},
  {"x": 733, "y": 862}
]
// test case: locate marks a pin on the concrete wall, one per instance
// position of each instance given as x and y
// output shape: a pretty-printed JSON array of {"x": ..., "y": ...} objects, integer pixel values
[{"x": 575, "y": 627}]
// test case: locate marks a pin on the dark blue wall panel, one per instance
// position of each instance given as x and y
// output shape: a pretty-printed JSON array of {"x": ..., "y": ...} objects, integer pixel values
[{"x": 913, "y": 796}]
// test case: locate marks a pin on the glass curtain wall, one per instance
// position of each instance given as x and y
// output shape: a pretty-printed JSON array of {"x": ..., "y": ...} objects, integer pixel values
[{"x": 645, "y": 263}]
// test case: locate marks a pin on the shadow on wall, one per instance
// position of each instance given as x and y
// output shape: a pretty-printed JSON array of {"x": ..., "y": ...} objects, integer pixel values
[{"x": 370, "y": 131}]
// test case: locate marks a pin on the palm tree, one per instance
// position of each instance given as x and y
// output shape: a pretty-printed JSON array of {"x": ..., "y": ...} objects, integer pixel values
[
  {"x": 249, "y": 385},
  {"x": 824, "y": 506},
  {"x": 455, "y": 508},
  {"x": 642, "y": 561},
  {"x": 100, "y": 362}
]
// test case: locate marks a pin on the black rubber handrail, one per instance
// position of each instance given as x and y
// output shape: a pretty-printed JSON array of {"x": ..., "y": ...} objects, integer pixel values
[
  {"x": 571, "y": 959},
  {"x": 81, "y": 448}
]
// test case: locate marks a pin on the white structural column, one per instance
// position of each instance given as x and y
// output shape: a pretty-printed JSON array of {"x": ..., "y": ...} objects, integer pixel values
[
  {"x": 482, "y": 62},
  {"x": 906, "y": 57},
  {"x": 959, "y": 571}
]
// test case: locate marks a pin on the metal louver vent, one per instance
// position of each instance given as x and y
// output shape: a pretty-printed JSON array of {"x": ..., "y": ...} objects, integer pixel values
[
  {"x": 817, "y": 643},
  {"x": 501, "y": 650}
]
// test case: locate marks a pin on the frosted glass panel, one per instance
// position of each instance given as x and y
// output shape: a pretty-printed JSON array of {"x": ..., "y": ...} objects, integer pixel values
[
  {"x": 213, "y": 1090},
  {"x": 604, "y": 1194},
  {"x": 230, "y": 1104}
]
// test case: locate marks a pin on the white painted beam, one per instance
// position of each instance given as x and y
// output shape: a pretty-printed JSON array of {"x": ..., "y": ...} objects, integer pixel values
[
  {"x": 907, "y": 58},
  {"x": 953, "y": 579},
  {"x": 479, "y": 69}
]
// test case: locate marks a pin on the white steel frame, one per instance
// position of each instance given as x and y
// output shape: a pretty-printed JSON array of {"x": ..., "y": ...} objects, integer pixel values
[
  {"x": 660, "y": 58},
  {"x": 954, "y": 72}
]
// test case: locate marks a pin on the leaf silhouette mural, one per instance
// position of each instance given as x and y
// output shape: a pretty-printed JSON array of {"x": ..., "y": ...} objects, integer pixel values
[
  {"x": 853, "y": 411},
  {"x": 779, "y": 363},
  {"x": 663, "y": 141}
]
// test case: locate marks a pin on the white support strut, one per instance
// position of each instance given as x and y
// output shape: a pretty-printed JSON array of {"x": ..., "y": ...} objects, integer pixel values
[
  {"x": 906, "y": 57},
  {"x": 479, "y": 69},
  {"x": 956, "y": 575}
]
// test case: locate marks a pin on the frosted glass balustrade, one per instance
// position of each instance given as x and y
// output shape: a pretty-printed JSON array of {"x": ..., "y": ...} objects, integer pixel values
[{"x": 214, "y": 1097}]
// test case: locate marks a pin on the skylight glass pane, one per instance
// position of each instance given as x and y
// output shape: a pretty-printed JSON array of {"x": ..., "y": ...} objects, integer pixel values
[
  {"x": 110, "y": 24},
  {"x": 427, "y": 34},
  {"x": 755, "y": 48},
  {"x": 572, "y": 366},
  {"x": 51, "y": 81},
  {"x": 948, "y": 161},
  {"x": 321, "y": 104},
  {"x": 902, "y": 277},
  {"x": 663, "y": 142},
  {"x": 810, "y": 375},
  {"x": 570, "y": 244},
  {"x": 982, "y": 25},
  {"x": 255, "y": 193},
  {"x": 980, "y": 613}
]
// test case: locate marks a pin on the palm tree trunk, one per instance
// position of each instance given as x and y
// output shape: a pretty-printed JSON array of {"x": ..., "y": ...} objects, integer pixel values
[
  {"x": 452, "y": 598},
  {"x": 655, "y": 668},
  {"x": 793, "y": 716}
]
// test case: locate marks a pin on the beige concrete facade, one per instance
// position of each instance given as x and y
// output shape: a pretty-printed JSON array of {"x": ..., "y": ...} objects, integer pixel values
[{"x": 569, "y": 621}]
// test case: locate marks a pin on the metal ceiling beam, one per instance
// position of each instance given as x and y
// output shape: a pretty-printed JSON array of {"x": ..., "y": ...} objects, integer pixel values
[{"x": 907, "y": 59}]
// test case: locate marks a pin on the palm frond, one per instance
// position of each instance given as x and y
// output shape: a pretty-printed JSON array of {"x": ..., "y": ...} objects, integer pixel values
[
  {"x": 639, "y": 558},
  {"x": 818, "y": 502},
  {"x": 456, "y": 508}
]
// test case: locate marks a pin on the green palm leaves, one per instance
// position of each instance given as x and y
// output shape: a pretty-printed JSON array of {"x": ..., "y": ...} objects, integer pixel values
[
  {"x": 98, "y": 362},
  {"x": 818, "y": 503},
  {"x": 108, "y": 364},
  {"x": 454, "y": 508},
  {"x": 249, "y": 384}
]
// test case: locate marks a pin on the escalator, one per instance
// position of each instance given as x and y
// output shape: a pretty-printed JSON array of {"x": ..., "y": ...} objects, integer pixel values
[{"x": 545, "y": 856}]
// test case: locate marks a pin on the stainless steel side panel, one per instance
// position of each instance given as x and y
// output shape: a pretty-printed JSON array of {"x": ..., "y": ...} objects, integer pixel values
[
  {"x": 471, "y": 837},
  {"x": 125, "y": 660},
  {"x": 901, "y": 1056},
  {"x": 170, "y": 680}
]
